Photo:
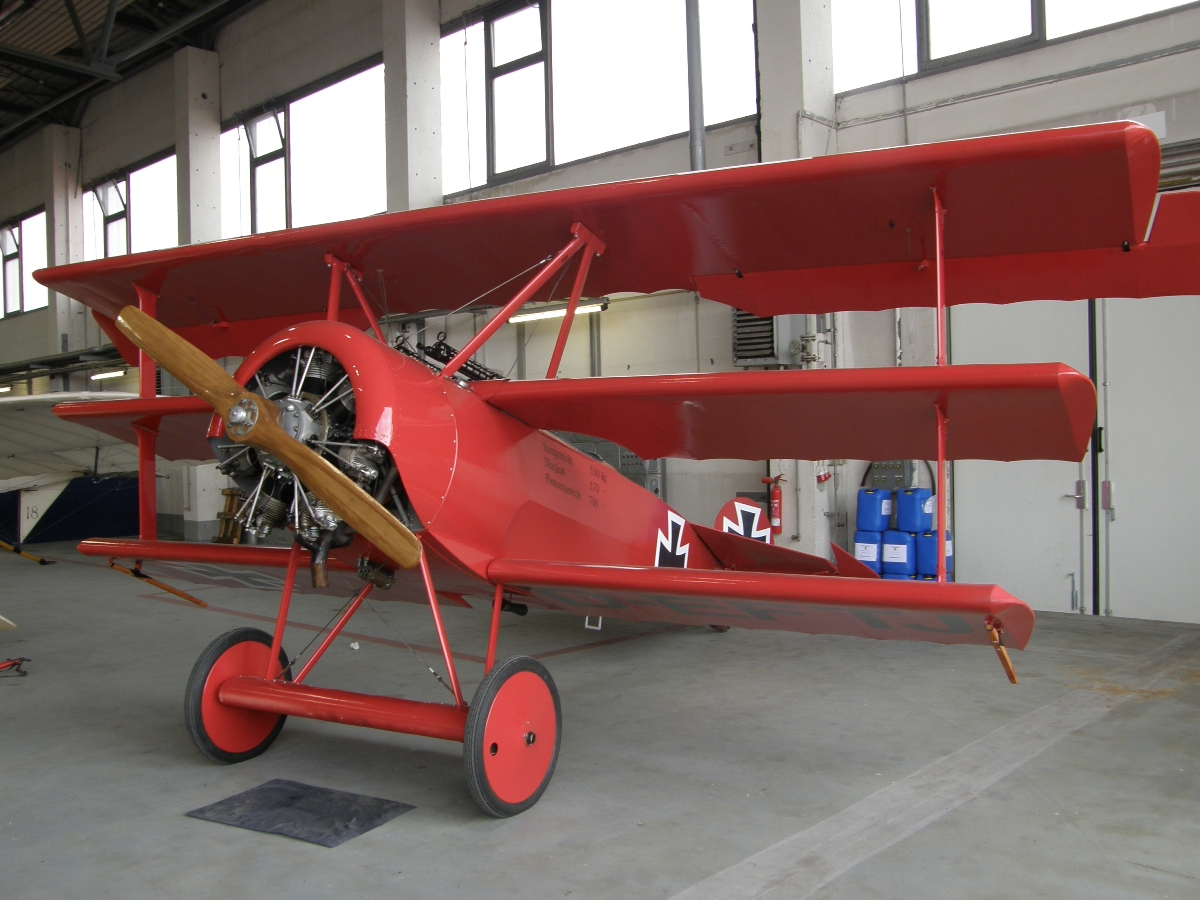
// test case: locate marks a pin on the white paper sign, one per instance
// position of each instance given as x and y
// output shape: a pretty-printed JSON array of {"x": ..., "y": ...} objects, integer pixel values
[
  {"x": 895, "y": 553},
  {"x": 929, "y": 506},
  {"x": 886, "y": 506},
  {"x": 866, "y": 552}
]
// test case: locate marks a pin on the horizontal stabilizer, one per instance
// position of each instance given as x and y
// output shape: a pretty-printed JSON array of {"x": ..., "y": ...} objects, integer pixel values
[
  {"x": 745, "y": 554},
  {"x": 849, "y": 566},
  {"x": 886, "y": 610},
  {"x": 1028, "y": 411}
]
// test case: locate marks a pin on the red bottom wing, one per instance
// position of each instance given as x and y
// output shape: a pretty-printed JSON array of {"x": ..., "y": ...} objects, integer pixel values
[{"x": 812, "y": 604}]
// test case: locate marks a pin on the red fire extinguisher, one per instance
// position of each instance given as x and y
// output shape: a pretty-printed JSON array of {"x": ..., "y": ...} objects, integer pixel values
[{"x": 776, "y": 497}]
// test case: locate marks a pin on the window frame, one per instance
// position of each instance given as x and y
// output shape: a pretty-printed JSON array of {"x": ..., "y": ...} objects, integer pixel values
[
  {"x": 283, "y": 104},
  {"x": 491, "y": 72},
  {"x": 486, "y": 14},
  {"x": 1036, "y": 39},
  {"x": 121, "y": 176},
  {"x": 257, "y": 161},
  {"x": 16, "y": 225},
  {"x": 107, "y": 219}
]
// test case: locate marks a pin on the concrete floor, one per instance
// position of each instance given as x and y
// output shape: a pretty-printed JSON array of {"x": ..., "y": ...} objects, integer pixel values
[{"x": 717, "y": 765}]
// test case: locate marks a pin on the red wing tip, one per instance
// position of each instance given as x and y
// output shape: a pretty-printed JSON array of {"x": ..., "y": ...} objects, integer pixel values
[{"x": 1013, "y": 616}]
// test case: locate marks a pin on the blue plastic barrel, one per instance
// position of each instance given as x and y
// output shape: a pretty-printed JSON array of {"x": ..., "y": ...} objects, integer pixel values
[
  {"x": 914, "y": 510},
  {"x": 899, "y": 553},
  {"x": 874, "y": 510},
  {"x": 888, "y": 576},
  {"x": 867, "y": 548},
  {"x": 927, "y": 553}
]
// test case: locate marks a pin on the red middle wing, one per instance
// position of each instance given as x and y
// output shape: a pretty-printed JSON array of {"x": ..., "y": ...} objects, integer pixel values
[{"x": 1036, "y": 411}]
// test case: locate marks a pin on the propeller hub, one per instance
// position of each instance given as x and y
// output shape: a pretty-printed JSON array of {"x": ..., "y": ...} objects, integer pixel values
[{"x": 241, "y": 418}]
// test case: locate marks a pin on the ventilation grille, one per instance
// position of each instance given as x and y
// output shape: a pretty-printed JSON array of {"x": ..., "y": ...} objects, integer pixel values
[
  {"x": 753, "y": 339},
  {"x": 1180, "y": 166}
]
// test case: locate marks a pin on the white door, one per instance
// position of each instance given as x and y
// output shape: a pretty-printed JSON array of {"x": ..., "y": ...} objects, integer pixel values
[
  {"x": 1152, "y": 430},
  {"x": 1014, "y": 523}
]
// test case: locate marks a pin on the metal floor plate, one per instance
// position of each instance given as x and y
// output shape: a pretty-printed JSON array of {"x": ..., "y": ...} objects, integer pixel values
[{"x": 317, "y": 815}]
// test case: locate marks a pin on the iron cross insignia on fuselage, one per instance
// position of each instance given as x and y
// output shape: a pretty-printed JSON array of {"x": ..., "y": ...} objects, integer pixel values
[
  {"x": 672, "y": 552},
  {"x": 749, "y": 516}
]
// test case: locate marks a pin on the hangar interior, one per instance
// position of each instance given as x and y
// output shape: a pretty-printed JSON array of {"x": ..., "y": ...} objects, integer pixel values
[{"x": 690, "y": 758}]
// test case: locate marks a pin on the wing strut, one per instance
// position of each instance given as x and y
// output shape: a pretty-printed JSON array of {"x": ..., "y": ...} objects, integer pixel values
[
  {"x": 147, "y": 430},
  {"x": 583, "y": 240},
  {"x": 339, "y": 269},
  {"x": 939, "y": 242}
]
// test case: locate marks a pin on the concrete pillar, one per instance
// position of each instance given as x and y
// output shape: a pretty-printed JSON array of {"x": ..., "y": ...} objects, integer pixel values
[
  {"x": 198, "y": 144},
  {"x": 68, "y": 324},
  {"x": 795, "y": 70},
  {"x": 412, "y": 80}
]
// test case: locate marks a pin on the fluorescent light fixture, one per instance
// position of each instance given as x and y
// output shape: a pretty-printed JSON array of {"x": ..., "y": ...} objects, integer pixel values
[
  {"x": 558, "y": 313},
  {"x": 100, "y": 376},
  {"x": 5, "y": 389}
]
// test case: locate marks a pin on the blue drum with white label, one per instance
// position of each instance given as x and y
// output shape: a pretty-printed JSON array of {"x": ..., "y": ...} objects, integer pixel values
[
  {"x": 914, "y": 510},
  {"x": 867, "y": 546},
  {"x": 927, "y": 553},
  {"x": 874, "y": 510},
  {"x": 899, "y": 553}
]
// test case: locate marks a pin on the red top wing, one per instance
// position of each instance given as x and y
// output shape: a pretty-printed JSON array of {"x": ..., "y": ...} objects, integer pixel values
[
  {"x": 1031, "y": 411},
  {"x": 1036, "y": 215}
]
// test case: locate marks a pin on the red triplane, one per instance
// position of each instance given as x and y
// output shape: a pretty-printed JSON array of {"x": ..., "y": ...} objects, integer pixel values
[{"x": 382, "y": 460}]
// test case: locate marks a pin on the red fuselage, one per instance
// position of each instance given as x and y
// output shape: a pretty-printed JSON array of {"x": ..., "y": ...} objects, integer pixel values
[{"x": 485, "y": 485}]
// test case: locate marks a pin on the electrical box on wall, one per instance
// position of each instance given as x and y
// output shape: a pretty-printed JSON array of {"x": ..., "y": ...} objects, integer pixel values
[{"x": 892, "y": 475}]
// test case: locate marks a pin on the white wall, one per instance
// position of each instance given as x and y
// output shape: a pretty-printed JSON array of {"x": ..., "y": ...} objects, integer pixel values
[
  {"x": 130, "y": 121},
  {"x": 1030, "y": 90},
  {"x": 281, "y": 45},
  {"x": 21, "y": 177}
]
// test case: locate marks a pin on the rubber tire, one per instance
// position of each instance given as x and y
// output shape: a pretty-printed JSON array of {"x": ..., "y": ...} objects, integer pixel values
[
  {"x": 194, "y": 694},
  {"x": 473, "y": 738}
]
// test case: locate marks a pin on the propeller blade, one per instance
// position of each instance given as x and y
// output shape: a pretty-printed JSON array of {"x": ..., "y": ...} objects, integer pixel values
[
  {"x": 255, "y": 421},
  {"x": 187, "y": 362}
]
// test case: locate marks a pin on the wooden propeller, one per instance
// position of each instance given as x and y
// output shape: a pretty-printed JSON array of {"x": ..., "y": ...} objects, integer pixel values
[{"x": 251, "y": 419}]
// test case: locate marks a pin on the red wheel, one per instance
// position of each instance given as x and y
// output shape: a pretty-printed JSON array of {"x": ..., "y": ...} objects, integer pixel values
[
  {"x": 223, "y": 733},
  {"x": 514, "y": 728}
]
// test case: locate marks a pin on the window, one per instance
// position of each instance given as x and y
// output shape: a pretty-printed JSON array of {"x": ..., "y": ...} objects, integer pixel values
[
  {"x": 949, "y": 30},
  {"x": 955, "y": 27},
  {"x": 153, "y": 207},
  {"x": 1065, "y": 17},
  {"x": 255, "y": 176},
  {"x": 23, "y": 252},
  {"x": 617, "y": 77},
  {"x": 518, "y": 90},
  {"x": 339, "y": 172},
  {"x": 133, "y": 212},
  {"x": 873, "y": 41},
  {"x": 269, "y": 208},
  {"x": 235, "y": 183},
  {"x": 879, "y": 40},
  {"x": 318, "y": 157}
]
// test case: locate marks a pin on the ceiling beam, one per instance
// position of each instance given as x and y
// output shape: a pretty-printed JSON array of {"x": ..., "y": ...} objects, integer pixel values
[
  {"x": 169, "y": 32},
  {"x": 47, "y": 107},
  {"x": 79, "y": 32},
  {"x": 53, "y": 64}
]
